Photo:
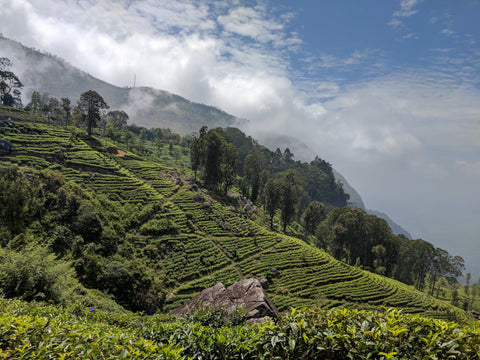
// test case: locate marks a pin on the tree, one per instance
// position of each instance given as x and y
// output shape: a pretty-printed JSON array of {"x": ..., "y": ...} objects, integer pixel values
[
  {"x": 91, "y": 104},
  {"x": 455, "y": 298},
  {"x": 314, "y": 214},
  {"x": 35, "y": 274},
  {"x": 290, "y": 184},
  {"x": 10, "y": 84},
  {"x": 19, "y": 200},
  {"x": 213, "y": 152},
  {"x": 271, "y": 198},
  {"x": 416, "y": 259},
  {"x": 117, "y": 119},
  {"x": 251, "y": 170},
  {"x": 228, "y": 165},
  {"x": 67, "y": 110},
  {"x": 467, "y": 284},
  {"x": 380, "y": 254},
  {"x": 197, "y": 151},
  {"x": 35, "y": 102},
  {"x": 287, "y": 155}
]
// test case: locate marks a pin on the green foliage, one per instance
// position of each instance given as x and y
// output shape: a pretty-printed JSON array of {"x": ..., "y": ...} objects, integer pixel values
[
  {"x": 312, "y": 217},
  {"x": 34, "y": 274},
  {"x": 87, "y": 223},
  {"x": 217, "y": 157},
  {"x": 10, "y": 85},
  {"x": 34, "y": 331},
  {"x": 354, "y": 334},
  {"x": 217, "y": 316},
  {"x": 91, "y": 104},
  {"x": 130, "y": 284},
  {"x": 159, "y": 227},
  {"x": 150, "y": 237},
  {"x": 45, "y": 332},
  {"x": 19, "y": 200}
]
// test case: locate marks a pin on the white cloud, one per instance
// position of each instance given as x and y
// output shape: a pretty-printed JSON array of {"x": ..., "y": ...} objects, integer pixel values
[{"x": 406, "y": 10}]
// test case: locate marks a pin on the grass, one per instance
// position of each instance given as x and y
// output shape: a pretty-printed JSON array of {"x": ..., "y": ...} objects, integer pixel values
[{"x": 211, "y": 241}]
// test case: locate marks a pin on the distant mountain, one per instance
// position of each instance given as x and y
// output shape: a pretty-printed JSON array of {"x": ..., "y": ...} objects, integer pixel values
[
  {"x": 396, "y": 229},
  {"x": 355, "y": 198},
  {"x": 145, "y": 106}
]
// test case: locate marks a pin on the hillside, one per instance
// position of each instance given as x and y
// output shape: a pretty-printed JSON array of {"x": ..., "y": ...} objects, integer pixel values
[
  {"x": 168, "y": 236},
  {"x": 146, "y": 106}
]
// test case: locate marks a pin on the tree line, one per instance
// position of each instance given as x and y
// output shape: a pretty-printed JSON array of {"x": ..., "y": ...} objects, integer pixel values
[{"x": 308, "y": 202}]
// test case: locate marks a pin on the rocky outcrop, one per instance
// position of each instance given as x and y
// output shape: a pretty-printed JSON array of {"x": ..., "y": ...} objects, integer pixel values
[{"x": 247, "y": 293}]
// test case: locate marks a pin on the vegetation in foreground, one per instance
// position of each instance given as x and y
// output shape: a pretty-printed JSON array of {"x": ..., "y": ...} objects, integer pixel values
[{"x": 36, "y": 331}]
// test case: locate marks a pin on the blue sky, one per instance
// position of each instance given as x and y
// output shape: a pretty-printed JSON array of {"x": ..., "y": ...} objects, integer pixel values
[{"x": 388, "y": 91}]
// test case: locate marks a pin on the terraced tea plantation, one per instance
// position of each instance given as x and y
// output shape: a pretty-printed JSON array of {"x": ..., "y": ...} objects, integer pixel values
[{"x": 194, "y": 241}]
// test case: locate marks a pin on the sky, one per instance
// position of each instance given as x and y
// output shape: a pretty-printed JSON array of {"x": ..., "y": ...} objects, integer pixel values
[{"x": 388, "y": 91}]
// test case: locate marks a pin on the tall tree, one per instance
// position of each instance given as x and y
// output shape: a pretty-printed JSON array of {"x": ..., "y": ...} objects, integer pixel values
[
  {"x": 271, "y": 199},
  {"x": 196, "y": 151},
  {"x": 67, "y": 110},
  {"x": 213, "y": 152},
  {"x": 91, "y": 104},
  {"x": 212, "y": 171},
  {"x": 290, "y": 185},
  {"x": 314, "y": 214},
  {"x": 35, "y": 102},
  {"x": 117, "y": 119},
  {"x": 10, "y": 84},
  {"x": 468, "y": 277},
  {"x": 228, "y": 165},
  {"x": 251, "y": 170}
]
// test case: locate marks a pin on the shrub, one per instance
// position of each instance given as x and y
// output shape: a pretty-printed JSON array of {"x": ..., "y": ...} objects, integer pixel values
[
  {"x": 159, "y": 227},
  {"x": 34, "y": 274}
]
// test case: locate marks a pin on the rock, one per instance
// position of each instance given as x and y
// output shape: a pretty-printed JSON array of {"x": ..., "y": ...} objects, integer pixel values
[
  {"x": 264, "y": 283},
  {"x": 248, "y": 207},
  {"x": 232, "y": 209},
  {"x": 198, "y": 198},
  {"x": 247, "y": 293},
  {"x": 205, "y": 205},
  {"x": 178, "y": 181}
]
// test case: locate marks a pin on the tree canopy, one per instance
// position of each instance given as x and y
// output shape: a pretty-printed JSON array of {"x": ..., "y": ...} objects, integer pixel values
[
  {"x": 10, "y": 84},
  {"x": 91, "y": 104}
]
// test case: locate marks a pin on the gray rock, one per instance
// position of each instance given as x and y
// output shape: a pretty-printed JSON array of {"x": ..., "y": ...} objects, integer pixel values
[
  {"x": 199, "y": 198},
  {"x": 205, "y": 205},
  {"x": 247, "y": 293}
]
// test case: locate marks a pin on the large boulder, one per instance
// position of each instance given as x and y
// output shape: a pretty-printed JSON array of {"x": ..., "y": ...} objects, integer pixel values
[{"x": 246, "y": 293}]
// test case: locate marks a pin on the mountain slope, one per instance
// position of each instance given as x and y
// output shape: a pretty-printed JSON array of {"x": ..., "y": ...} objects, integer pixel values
[
  {"x": 182, "y": 236},
  {"x": 146, "y": 106}
]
